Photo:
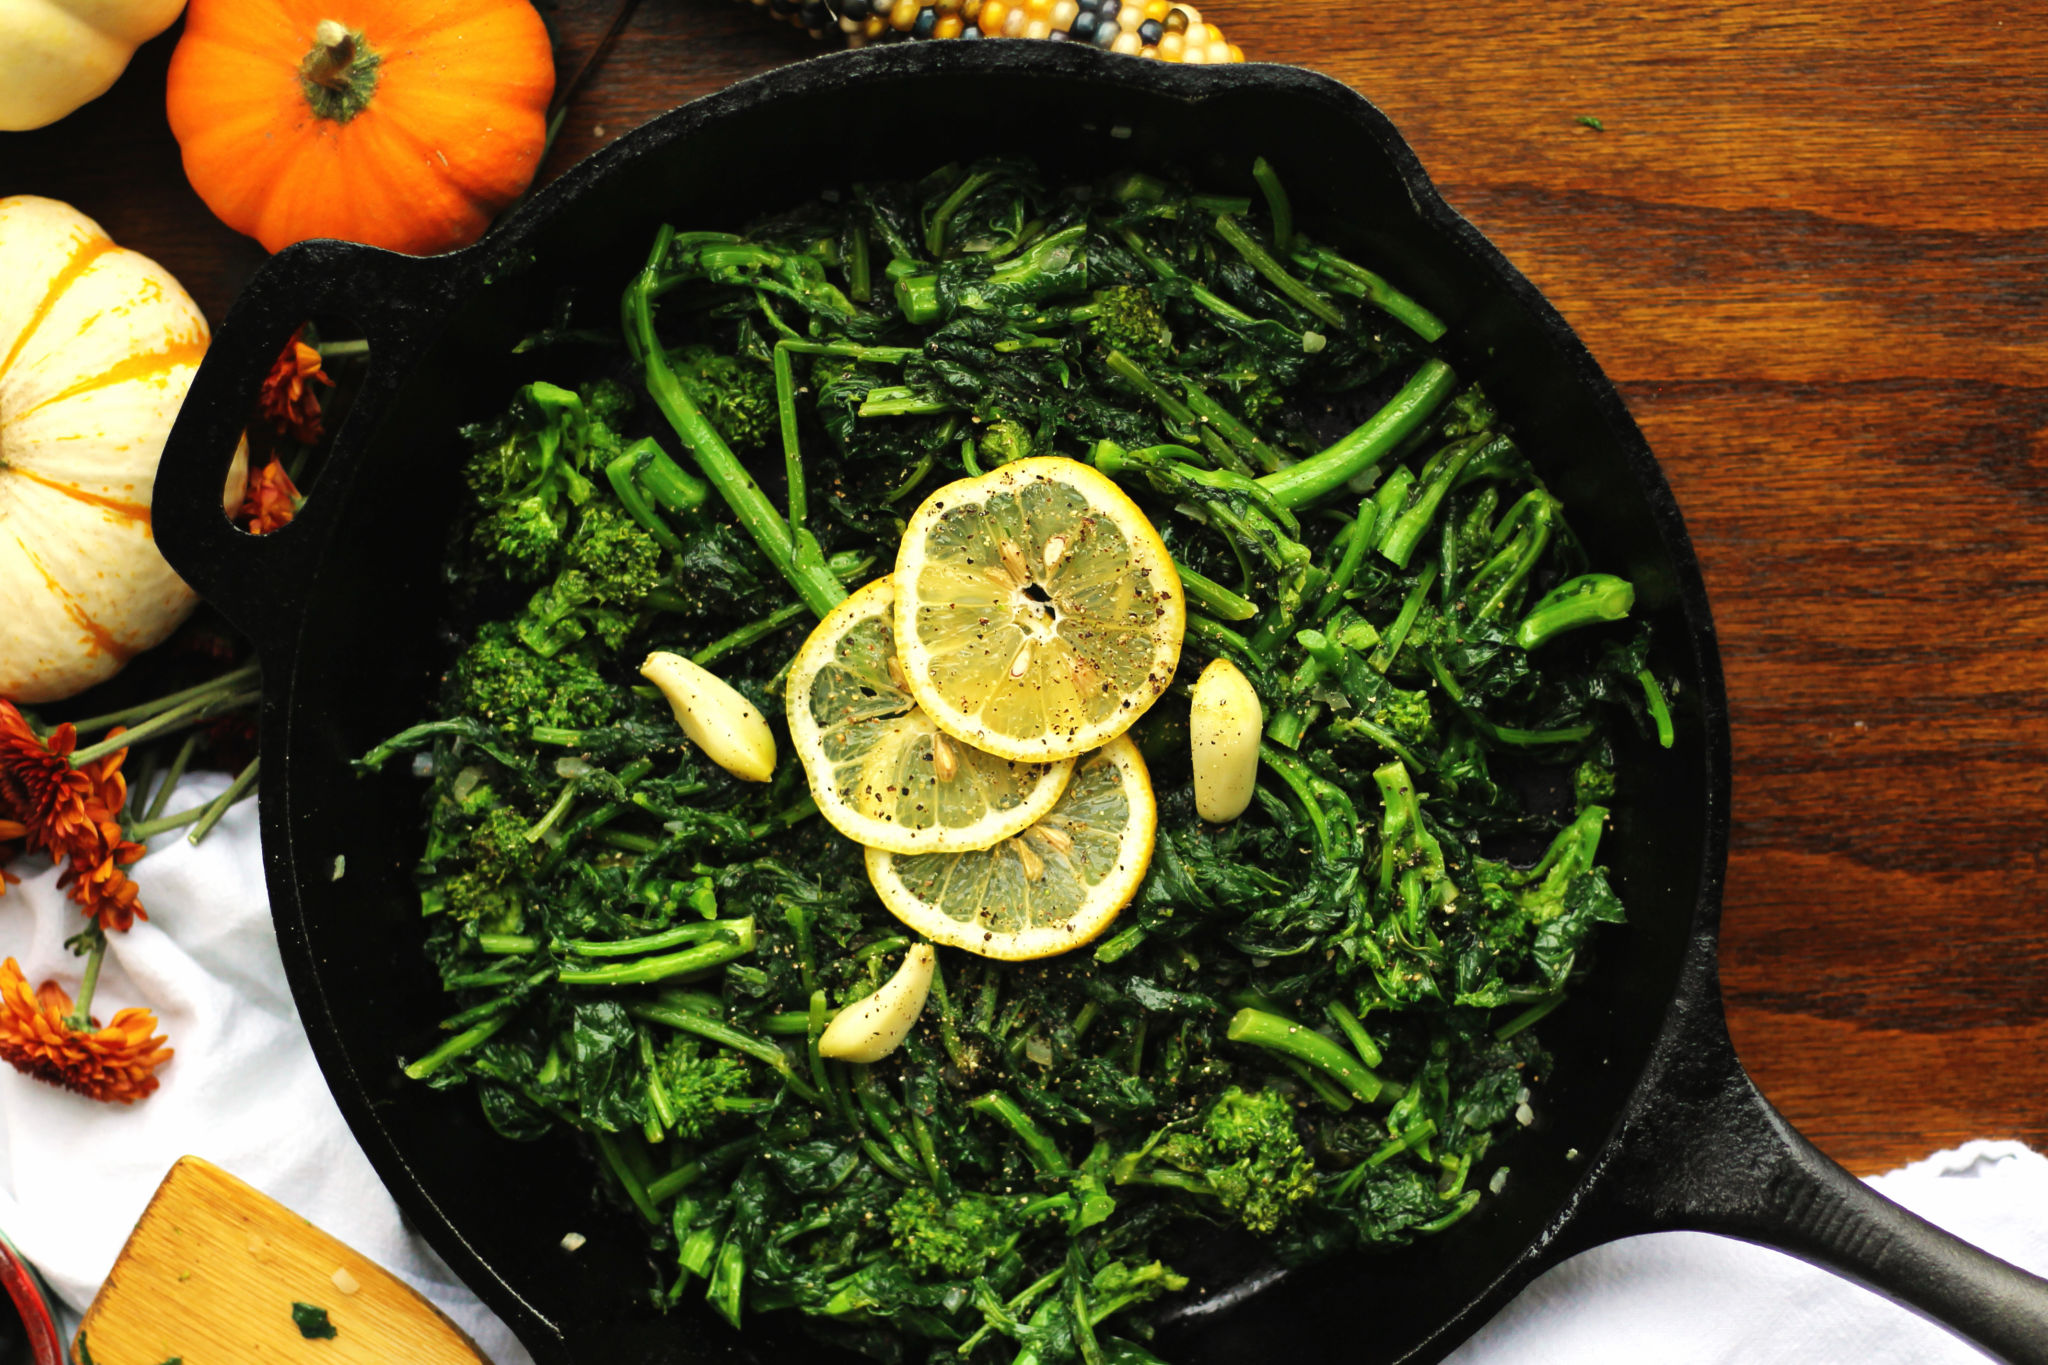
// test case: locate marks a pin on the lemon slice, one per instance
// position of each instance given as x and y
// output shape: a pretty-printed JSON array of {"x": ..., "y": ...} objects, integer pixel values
[
  {"x": 1037, "y": 612},
  {"x": 1053, "y": 887},
  {"x": 879, "y": 770}
]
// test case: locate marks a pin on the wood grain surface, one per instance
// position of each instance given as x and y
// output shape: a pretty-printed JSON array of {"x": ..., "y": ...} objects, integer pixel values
[
  {"x": 216, "y": 1270},
  {"x": 1811, "y": 246}
]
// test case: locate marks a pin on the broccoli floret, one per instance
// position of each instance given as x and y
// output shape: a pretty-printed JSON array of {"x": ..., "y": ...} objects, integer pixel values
[
  {"x": 523, "y": 538},
  {"x": 1127, "y": 318},
  {"x": 498, "y": 846},
  {"x": 1407, "y": 715},
  {"x": 736, "y": 395},
  {"x": 1248, "y": 1155},
  {"x": 499, "y": 680},
  {"x": 958, "y": 1238},
  {"x": 620, "y": 562},
  {"x": 474, "y": 895},
  {"x": 700, "y": 1086}
]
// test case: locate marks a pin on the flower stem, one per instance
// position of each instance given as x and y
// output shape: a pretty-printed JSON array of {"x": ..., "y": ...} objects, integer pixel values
[
  {"x": 80, "y": 1017},
  {"x": 177, "y": 718},
  {"x": 218, "y": 807},
  {"x": 144, "y": 830},
  {"x": 177, "y": 770},
  {"x": 226, "y": 682}
]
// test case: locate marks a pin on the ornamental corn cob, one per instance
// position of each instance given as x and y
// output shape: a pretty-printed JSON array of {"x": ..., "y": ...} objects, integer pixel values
[{"x": 1141, "y": 28}]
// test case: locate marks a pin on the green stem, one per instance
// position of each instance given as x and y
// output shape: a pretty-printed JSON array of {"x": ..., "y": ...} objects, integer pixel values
[
  {"x": 177, "y": 770},
  {"x": 737, "y": 942},
  {"x": 1277, "y": 203},
  {"x": 629, "y": 1182},
  {"x": 1242, "y": 438},
  {"x": 725, "y": 1035},
  {"x": 1502, "y": 734},
  {"x": 1359, "y": 282},
  {"x": 455, "y": 1047},
  {"x": 1213, "y": 597},
  {"x": 792, "y": 451},
  {"x": 1586, "y": 600},
  {"x": 1660, "y": 714},
  {"x": 80, "y": 1017},
  {"x": 1361, "y": 1041},
  {"x": 144, "y": 830},
  {"x": 1298, "y": 485},
  {"x": 1527, "y": 1017},
  {"x": 177, "y": 718},
  {"x": 1044, "y": 1155},
  {"x": 516, "y": 945},
  {"x": 218, "y": 807},
  {"x": 622, "y": 474},
  {"x": 815, "y": 584},
  {"x": 667, "y": 938},
  {"x": 898, "y": 400},
  {"x": 1277, "y": 274},
  {"x": 1414, "y": 520},
  {"x": 1304, "y": 1044},
  {"x": 1382, "y": 657},
  {"x": 226, "y": 682}
]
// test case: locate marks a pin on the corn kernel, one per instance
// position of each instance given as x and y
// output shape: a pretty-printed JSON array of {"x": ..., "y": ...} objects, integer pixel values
[
  {"x": 1194, "y": 55},
  {"x": 1038, "y": 28},
  {"x": 1220, "y": 52},
  {"x": 949, "y": 26},
  {"x": 1155, "y": 10},
  {"x": 991, "y": 16},
  {"x": 1127, "y": 43},
  {"x": 1064, "y": 12},
  {"x": 876, "y": 26},
  {"x": 1236, "y": 53},
  {"x": 1195, "y": 35},
  {"x": 971, "y": 10},
  {"x": 1171, "y": 46},
  {"x": 1013, "y": 24},
  {"x": 903, "y": 14},
  {"x": 1038, "y": 9},
  {"x": 1130, "y": 17}
]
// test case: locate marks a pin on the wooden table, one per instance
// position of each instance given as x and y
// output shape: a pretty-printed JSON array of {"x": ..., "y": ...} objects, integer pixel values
[{"x": 1811, "y": 246}]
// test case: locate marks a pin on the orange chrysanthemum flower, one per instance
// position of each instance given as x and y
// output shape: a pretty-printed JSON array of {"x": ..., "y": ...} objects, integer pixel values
[
  {"x": 40, "y": 790},
  {"x": 12, "y": 832},
  {"x": 117, "y": 1062},
  {"x": 287, "y": 397},
  {"x": 98, "y": 886},
  {"x": 272, "y": 500}
]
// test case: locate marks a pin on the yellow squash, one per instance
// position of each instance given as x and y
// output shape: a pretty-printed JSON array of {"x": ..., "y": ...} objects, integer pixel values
[
  {"x": 97, "y": 348},
  {"x": 57, "y": 54}
]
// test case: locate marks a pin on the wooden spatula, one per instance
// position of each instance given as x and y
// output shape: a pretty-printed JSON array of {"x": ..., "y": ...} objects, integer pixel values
[{"x": 219, "y": 1273}]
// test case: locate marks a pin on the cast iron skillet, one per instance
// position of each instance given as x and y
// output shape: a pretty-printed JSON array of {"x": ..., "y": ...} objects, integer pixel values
[{"x": 1647, "y": 1121}]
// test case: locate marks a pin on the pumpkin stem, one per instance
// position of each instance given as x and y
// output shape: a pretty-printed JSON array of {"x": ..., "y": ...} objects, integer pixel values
[{"x": 339, "y": 73}]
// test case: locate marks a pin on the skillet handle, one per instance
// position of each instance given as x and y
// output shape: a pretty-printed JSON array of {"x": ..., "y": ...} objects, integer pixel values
[
  {"x": 1703, "y": 1150},
  {"x": 259, "y": 582}
]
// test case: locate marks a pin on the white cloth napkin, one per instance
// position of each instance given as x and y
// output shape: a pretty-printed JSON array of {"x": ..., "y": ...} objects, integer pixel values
[{"x": 244, "y": 1093}]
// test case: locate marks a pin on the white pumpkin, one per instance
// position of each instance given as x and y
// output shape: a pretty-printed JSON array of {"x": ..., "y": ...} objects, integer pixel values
[
  {"x": 57, "y": 54},
  {"x": 97, "y": 348}
]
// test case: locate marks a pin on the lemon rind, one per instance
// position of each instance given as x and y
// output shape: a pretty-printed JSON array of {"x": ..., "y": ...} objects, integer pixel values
[
  {"x": 1134, "y": 859},
  {"x": 868, "y": 830}
]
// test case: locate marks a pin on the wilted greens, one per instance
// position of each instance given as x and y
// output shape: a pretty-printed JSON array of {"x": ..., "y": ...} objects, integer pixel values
[{"x": 1308, "y": 1029}]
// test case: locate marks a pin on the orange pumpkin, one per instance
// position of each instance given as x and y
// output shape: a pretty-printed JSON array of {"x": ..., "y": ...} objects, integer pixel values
[{"x": 402, "y": 123}]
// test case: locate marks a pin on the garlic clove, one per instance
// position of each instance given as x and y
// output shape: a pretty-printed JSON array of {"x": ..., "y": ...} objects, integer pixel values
[
  {"x": 717, "y": 719},
  {"x": 1224, "y": 723},
  {"x": 875, "y": 1025}
]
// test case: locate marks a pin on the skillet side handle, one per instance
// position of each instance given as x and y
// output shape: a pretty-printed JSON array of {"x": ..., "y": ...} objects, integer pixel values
[
  {"x": 1703, "y": 1150},
  {"x": 258, "y": 582}
]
